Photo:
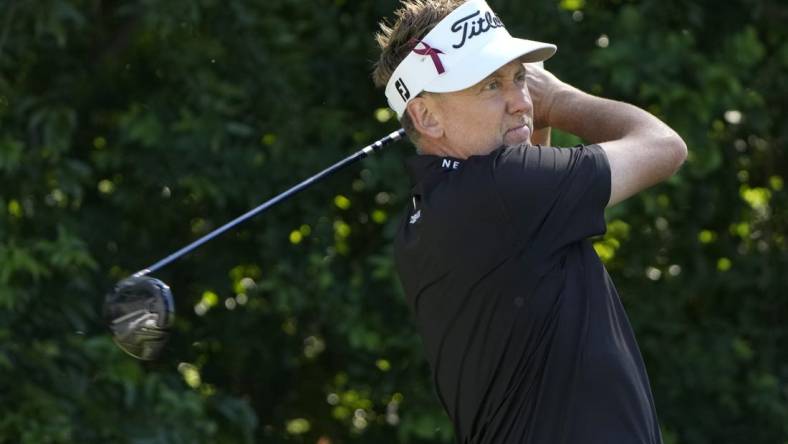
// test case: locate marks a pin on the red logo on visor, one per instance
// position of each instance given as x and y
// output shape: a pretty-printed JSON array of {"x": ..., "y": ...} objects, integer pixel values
[{"x": 428, "y": 50}]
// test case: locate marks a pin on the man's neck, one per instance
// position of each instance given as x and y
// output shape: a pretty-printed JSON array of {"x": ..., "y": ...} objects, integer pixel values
[{"x": 438, "y": 147}]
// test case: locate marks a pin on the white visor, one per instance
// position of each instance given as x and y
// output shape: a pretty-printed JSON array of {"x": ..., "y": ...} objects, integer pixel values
[{"x": 461, "y": 50}]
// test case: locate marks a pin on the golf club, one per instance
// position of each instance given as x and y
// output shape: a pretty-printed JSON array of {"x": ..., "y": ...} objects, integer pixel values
[{"x": 140, "y": 309}]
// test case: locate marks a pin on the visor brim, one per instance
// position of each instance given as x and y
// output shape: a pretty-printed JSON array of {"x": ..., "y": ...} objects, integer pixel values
[{"x": 488, "y": 59}]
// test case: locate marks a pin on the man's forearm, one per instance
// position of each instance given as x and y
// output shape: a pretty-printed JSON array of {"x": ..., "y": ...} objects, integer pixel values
[
  {"x": 596, "y": 119},
  {"x": 541, "y": 137},
  {"x": 641, "y": 150}
]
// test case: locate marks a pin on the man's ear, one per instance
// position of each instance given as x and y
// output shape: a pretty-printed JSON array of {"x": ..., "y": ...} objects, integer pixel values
[{"x": 423, "y": 116}]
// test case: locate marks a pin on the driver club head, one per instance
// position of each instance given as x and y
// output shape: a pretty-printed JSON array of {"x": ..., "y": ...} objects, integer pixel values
[{"x": 139, "y": 312}]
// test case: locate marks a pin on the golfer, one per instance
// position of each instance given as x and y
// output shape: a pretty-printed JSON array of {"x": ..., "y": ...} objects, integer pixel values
[{"x": 523, "y": 329}]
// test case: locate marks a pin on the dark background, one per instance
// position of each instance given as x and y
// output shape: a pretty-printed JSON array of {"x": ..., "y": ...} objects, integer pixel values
[{"x": 129, "y": 128}]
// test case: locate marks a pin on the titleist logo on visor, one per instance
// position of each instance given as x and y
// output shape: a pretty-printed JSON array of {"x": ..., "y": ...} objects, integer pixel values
[{"x": 471, "y": 28}]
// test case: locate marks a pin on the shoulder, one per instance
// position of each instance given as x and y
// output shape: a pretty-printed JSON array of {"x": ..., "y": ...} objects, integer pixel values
[{"x": 541, "y": 163}]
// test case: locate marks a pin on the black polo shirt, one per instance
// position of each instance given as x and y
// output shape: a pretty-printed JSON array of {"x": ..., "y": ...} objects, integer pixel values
[{"x": 525, "y": 334}]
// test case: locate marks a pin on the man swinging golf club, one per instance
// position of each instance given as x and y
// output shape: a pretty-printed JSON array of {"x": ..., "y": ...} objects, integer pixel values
[{"x": 525, "y": 334}]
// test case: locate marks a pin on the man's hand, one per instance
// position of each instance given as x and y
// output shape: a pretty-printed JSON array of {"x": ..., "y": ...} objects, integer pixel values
[{"x": 542, "y": 86}]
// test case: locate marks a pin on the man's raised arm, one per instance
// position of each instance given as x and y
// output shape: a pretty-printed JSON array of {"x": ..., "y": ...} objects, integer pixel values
[{"x": 641, "y": 149}]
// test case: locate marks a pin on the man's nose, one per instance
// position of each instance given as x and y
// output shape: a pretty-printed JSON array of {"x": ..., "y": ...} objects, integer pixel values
[{"x": 518, "y": 100}]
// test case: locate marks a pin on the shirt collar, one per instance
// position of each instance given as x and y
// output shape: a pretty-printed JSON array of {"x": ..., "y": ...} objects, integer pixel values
[{"x": 421, "y": 166}]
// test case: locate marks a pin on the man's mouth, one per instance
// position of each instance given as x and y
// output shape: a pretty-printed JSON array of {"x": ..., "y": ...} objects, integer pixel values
[
  {"x": 518, "y": 127},
  {"x": 518, "y": 134}
]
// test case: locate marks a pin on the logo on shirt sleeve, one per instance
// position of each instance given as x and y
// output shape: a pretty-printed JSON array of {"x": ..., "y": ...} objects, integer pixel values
[
  {"x": 417, "y": 215},
  {"x": 415, "y": 218}
]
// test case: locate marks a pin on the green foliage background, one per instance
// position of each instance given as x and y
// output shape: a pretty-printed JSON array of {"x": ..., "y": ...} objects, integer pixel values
[{"x": 129, "y": 128}]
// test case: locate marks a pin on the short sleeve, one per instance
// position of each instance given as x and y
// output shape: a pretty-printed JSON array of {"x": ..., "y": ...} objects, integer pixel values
[{"x": 553, "y": 196}]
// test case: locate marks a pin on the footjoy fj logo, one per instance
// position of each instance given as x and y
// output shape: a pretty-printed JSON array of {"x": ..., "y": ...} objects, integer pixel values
[
  {"x": 402, "y": 89},
  {"x": 471, "y": 28}
]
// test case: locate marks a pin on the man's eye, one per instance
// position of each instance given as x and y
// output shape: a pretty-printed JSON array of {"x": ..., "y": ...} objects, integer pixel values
[
  {"x": 491, "y": 85},
  {"x": 520, "y": 77}
]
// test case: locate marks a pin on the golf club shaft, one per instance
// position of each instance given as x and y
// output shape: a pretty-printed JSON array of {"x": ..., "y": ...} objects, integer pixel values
[{"x": 362, "y": 153}]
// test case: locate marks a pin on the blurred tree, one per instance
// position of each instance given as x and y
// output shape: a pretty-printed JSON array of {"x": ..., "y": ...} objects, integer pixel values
[{"x": 130, "y": 128}]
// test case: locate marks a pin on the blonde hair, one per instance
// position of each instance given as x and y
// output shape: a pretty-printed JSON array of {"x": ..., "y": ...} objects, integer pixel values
[{"x": 413, "y": 20}]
